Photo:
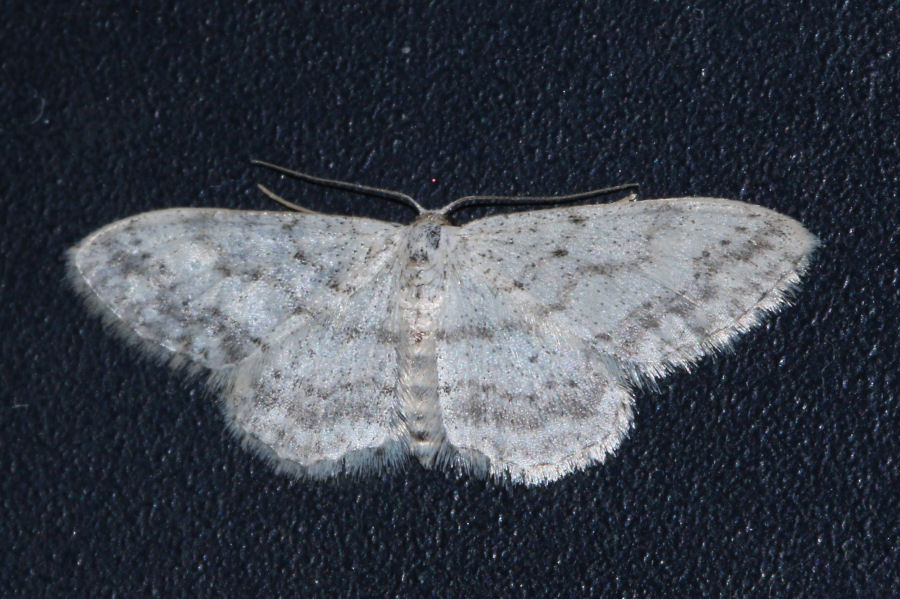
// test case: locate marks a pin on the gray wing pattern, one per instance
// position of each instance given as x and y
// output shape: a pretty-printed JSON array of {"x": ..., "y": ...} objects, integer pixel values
[
  {"x": 269, "y": 303},
  {"x": 210, "y": 285},
  {"x": 322, "y": 397},
  {"x": 548, "y": 314},
  {"x": 653, "y": 283},
  {"x": 519, "y": 388}
]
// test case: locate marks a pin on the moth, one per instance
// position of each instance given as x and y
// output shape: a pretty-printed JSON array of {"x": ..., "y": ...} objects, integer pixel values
[{"x": 508, "y": 346}]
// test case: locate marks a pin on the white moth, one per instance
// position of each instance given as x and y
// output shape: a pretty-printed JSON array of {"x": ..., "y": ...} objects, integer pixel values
[{"x": 503, "y": 347}]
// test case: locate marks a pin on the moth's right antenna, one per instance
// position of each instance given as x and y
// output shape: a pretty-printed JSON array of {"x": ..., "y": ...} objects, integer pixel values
[
  {"x": 354, "y": 187},
  {"x": 572, "y": 197}
]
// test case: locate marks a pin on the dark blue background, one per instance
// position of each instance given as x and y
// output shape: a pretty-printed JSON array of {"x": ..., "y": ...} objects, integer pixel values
[{"x": 767, "y": 472}]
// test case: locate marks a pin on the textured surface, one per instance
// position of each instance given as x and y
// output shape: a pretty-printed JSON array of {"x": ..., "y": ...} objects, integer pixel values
[
  {"x": 769, "y": 471},
  {"x": 340, "y": 342}
]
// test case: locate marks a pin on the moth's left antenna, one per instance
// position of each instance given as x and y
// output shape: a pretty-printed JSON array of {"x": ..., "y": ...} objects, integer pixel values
[
  {"x": 334, "y": 183},
  {"x": 283, "y": 201}
]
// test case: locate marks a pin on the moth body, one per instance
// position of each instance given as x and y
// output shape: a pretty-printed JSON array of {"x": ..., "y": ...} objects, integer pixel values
[{"x": 421, "y": 281}]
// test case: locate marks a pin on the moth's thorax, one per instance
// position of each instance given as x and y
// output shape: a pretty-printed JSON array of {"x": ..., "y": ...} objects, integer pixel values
[
  {"x": 421, "y": 290},
  {"x": 425, "y": 252}
]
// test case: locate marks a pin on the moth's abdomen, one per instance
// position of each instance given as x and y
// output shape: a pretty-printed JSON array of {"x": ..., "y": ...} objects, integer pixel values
[{"x": 417, "y": 387}]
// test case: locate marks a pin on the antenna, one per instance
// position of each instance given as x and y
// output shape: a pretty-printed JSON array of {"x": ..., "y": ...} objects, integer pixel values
[
  {"x": 334, "y": 183},
  {"x": 572, "y": 197}
]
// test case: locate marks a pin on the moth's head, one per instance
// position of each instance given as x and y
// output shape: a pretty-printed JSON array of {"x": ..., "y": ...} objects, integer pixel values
[{"x": 423, "y": 242}]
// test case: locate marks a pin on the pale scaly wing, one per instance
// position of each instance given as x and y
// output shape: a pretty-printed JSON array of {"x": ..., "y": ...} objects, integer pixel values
[
  {"x": 652, "y": 284},
  {"x": 550, "y": 314},
  {"x": 517, "y": 388},
  {"x": 290, "y": 312}
]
